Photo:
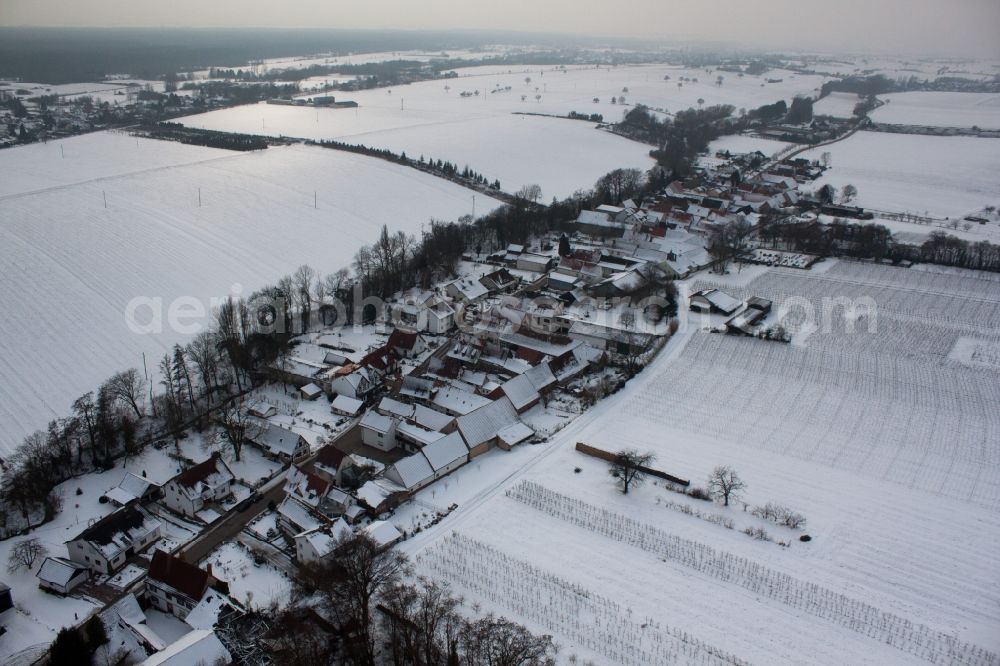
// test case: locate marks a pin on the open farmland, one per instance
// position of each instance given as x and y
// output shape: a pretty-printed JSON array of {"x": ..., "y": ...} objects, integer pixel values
[
  {"x": 940, "y": 109},
  {"x": 893, "y": 172},
  {"x": 887, "y": 444},
  {"x": 479, "y": 129},
  {"x": 76, "y": 264}
]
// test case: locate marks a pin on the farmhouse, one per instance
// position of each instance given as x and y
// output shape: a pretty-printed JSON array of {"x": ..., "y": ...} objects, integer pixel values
[
  {"x": 60, "y": 575},
  {"x": 713, "y": 300},
  {"x": 197, "y": 487},
  {"x": 107, "y": 544},
  {"x": 175, "y": 586}
]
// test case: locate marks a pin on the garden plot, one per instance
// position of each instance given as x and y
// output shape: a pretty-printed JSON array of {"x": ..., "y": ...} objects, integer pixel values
[
  {"x": 252, "y": 583},
  {"x": 933, "y": 175},
  {"x": 940, "y": 109},
  {"x": 72, "y": 266}
]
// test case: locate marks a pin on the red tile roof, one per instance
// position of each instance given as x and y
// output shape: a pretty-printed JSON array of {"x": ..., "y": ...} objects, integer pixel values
[{"x": 193, "y": 475}]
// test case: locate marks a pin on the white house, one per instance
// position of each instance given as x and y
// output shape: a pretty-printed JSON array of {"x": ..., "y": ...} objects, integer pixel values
[
  {"x": 538, "y": 263},
  {"x": 175, "y": 586},
  {"x": 107, "y": 544},
  {"x": 356, "y": 384},
  {"x": 315, "y": 544},
  {"x": 280, "y": 443},
  {"x": 378, "y": 431},
  {"x": 467, "y": 290},
  {"x": 346, "y": 406},
  {"x": 206, "y": 483},
  {"x": 382, "y": 532},
  {"x": 60, "y": 575}
]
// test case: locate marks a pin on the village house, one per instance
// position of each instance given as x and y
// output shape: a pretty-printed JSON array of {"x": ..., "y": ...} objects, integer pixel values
[
  {"x": 200, "y": 646},
  {"x": 482, "y": 428},
  {"x": 343, "y": 405},
  {"x": 105, "y": 546},
  {"x": 406, "y": 344},
  {"x": 61, "y": 576},
  {"x": 500, "y": 281},
  {"x": 313, "y": 545},
  {"x": 357, "y": 382},
  {"x": 209, "y": 482},
  {"x": 175, "y": 586},
  {"x": 713, "y": 300},
  {"x": 295, "y": 518},
  {"x": 330, "y": 464},
  {"x": 423, "y": 311},
  {"x": 378, "y": 431},
  {"x": 280, "y": 443}
]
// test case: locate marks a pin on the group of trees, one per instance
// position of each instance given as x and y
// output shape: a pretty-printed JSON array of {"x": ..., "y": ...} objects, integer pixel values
[
  {"x": 729, "y": 242},
  {"x": 385, "y": 619},
  {"x": 875, "y": 241},
  {"x": 678, "y": 140}
]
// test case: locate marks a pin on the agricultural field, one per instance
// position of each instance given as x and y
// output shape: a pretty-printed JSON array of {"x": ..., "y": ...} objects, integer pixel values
[
  {"x": 886, "y": 445},
  {"x": 940, "y": 109},
  {"x": 838, "y": 105},
  {"x": 470, "y": 120},
  {"x": 891, "y": 172},
  {"x": 77, "y": 264}
]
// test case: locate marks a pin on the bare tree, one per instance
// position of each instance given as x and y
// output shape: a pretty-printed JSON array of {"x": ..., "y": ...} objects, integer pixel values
[
  {"x": 628, "y": 467},
  {"x": 725, "y": 484},
  {"x": 237, "y": 426},
  {"x": 24, "y": 554},
  {"x": 422, "y": 622},
  {"x": 497, "y": 641},
  {"x": 530, "y": 193},
  {"x": 849, "y": 192},
  {"x": 128, "y": 387},
  {"x": 348, "y": 581},
  {"x": 303, "y": 283}
]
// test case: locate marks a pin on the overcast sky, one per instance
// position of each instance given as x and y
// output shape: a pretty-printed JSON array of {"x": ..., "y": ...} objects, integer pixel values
[{"x": 960, "y": 27}]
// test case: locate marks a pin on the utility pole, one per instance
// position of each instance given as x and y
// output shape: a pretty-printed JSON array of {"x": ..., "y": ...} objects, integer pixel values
[
  {"x": 61, "y": 151},
  {"x": 315, "y": 202},
  {"x": 473, "y": 207},
  {"x": 199, "y": 197},
  {"x": 105, "y": 195}
]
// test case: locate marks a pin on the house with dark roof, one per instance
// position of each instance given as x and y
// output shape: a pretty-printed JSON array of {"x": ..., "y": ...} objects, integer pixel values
[
  {"x": 406, "y": 344},
  {"x": 197, "y": 487},
  {"x": 330, "y": 464},
  {"x": 105, "y": 546},
  {"x": 500, "y": 281},
  {"x": 175, "y": 586}
]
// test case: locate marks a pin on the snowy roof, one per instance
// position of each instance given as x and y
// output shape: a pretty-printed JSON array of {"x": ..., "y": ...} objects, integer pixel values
[
  {"x": 377, "y": 422},
  {"x": 469, "y": 288},
  {"x": 130, "y": 614},
  {"x": 541, "y": 376},
  {"x": 311, "y": 390},
  {"x": 416, "y": 387},
  {"x": 58, "y": 571},
  {"x": 382, "y": 532},
  {"x": 460, "y": 402},
  {"x": 595, "y": 218},
  {"x": 410, "y": 471},
  {"x": 431, "y": 418},
  {"x": 520, "y": 391},
  {"x": 483, "y": 424},
  {"x": 541, "y": 346},
  {"x": 200, "y": 646},
  {"x": 117, "y": 531},
  {"x": 305, "y": 486},
  {"x": 278, "y": 440},
  {"x": 515, "y": 433},
  {"x": 391, "y": 407},
  {"x": 323, "y": 539},
  {"x": 373, "y": 493},
  {"x": 296, "y": 514},
  {"x": 445, "y": 451},
  {"x": 612, "y": 210},
  {"x": 260, "y": 408},
  {"x": 343, "y": 403},
  {"x": 205, "y": 614},
  {"x": 133, "y": 486},
  {"x": 720, "y": 299},
  {"x": 418, "y": 434},
  {"x": 205, "y": 476}
]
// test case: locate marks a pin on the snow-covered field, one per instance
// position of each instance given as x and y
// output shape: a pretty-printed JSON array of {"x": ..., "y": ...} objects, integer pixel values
[
  {"x": 838, "y": 105},
  {"x": 940, "y": 109},
  {"x": 71, "y": 266},
  {"x": 738, "y": 143},
  {"x": 434, "y": 119},
  {"x": 939, "y": 176},
  {"x": 886, "y": 446}
]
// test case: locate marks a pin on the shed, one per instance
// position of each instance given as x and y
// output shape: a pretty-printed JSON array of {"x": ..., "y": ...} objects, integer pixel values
[
  {"x": 60, "y": 575},
  {"x": 311, "y": 391}
]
